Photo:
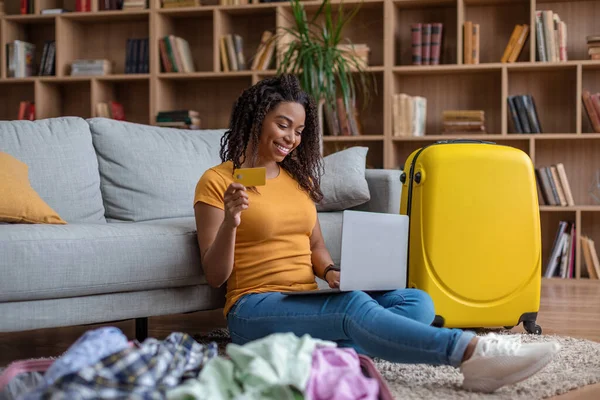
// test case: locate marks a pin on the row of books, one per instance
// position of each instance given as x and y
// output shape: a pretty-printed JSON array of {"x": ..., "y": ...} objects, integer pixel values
[
  {"x": 106, "y": 5},
  {"x": 265, "y": 53},
  {"x": 554, "y": 185},
  {"x": 456, "y": 122},
  {"x": 137, "y": 58},
  {"x": 551, "y": 36},
  {"x": 110, "y": 109},
  {"x": 175, "y": 54},
  {"x": 593, "y": 44},
  {"x": 340, "y": 122},
  {"x": 182, "y": 119},
  {"x": 471, "y": 42},
  {"x": 523, "y": 114},
  {"x": 426, "y": 43},
  {"x": 20, "y": 59},
  {"x": 26, "y": 110},
  {"x": 409, "y": 115},
  {"x": 232, "y": 52},
  {"x": 591, "y": 104},
  {"x": 561, "y": 262},
  {"x": 516, "y": 43}
]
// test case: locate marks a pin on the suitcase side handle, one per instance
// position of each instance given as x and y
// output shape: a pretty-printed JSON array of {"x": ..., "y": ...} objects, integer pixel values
[{"x": 464, "y": 141}]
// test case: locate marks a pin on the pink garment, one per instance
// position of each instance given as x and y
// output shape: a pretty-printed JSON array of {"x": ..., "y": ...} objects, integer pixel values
[
  {"x": 23, "y": 366},
  {"x": 336, "y": 375}
]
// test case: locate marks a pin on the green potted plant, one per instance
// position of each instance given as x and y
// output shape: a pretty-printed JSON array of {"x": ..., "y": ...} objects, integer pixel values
[{"x": 324, "y": 60}]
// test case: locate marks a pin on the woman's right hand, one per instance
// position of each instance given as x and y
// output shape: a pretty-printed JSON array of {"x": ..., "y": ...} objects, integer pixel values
[{"x": 236, "y": 200}]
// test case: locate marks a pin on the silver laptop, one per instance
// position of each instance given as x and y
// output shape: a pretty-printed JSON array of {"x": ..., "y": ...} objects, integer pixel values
[{"x": 374, "y": 253}]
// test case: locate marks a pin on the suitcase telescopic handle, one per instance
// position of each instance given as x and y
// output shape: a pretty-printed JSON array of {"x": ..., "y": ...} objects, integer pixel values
[{"x": 464, "y": 141}]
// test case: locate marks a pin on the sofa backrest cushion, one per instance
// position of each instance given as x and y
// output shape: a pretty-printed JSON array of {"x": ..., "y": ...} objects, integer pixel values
[
  {"x": 150, "y": 172},
  {"x": 63, "y": 168}
]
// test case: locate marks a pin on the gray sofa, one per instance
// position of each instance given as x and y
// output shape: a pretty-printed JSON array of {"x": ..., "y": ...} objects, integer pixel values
[{"x": 129, "y": 249}]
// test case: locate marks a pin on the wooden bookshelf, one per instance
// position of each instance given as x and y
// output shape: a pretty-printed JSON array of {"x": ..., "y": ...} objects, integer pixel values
[{"x": 384, "y": 25}]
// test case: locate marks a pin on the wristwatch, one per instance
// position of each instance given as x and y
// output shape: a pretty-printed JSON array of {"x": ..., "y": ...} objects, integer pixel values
[{"x": 330, "y": 267}]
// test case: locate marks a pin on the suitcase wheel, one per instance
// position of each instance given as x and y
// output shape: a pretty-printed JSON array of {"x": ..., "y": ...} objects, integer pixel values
[
  {"x": 532, "y": 327},
  {"x": 509, "y": 327}
]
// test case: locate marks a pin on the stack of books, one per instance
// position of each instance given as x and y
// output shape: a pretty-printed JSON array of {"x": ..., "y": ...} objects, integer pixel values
[
  {"x": 593, "y": 44},
  {"x": 20, "y": 59},
  {"x": 591, "y": 104},
  {"x": 110, "y": 109},
  {"x": 232, "y": 53},
  {"x": 523, "y": 114},
  {"x": 426, "y": 43},
  {"x": 175, "y": 54},
  {"x": 409, "y": 115},
  {"x": 180, "y": 3},
  {"x": 264, "y": 53},
  {"x": 516, "y": 43},
  {"x": 471, "y": 39},
  {"x": 84, "y": 67},
  {"x": 463, "y": 122},
  {"x": 135, "y": 5},
  {"x": 551, "y": 36},
  {"x": 554, "y": 185},
  {"x": 183, "y": 119}
]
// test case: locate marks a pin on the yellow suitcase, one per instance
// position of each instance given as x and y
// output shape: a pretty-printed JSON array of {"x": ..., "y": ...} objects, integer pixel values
[{"x": 475, "y": 241}]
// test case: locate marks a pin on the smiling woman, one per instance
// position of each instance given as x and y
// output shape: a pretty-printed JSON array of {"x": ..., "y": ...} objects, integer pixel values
[{"x": 266, "y": 242}]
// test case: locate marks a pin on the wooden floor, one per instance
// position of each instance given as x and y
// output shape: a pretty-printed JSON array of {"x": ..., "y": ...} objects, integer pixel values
[{"x": 568, "y": 308}]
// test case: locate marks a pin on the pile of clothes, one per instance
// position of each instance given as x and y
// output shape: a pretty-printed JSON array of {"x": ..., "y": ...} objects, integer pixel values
[{"x": 102, "y": 363}]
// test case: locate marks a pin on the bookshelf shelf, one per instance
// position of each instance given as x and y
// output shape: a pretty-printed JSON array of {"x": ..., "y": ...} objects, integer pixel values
[
  {"x": 385, "y": 26},
  {"x": 361, "y": 138},
  {"x": 595, "y": 208},
  {"x": 101, "y": 16}
]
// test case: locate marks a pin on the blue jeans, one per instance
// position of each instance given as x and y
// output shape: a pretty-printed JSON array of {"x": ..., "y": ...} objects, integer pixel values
[{"x": 393, "y": 325}]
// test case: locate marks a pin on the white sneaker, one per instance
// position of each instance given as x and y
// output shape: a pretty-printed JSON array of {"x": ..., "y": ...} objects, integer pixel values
[{"x": 502, "y": 360}]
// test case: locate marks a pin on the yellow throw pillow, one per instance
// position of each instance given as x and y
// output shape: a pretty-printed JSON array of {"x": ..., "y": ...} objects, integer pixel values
[{"x": 19, "y": 202}]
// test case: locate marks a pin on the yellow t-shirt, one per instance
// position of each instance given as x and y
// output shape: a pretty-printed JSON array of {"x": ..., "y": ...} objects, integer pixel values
[{"x": 272, "y": 246}]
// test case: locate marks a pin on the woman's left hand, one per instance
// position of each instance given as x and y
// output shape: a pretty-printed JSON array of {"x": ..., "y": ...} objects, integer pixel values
[{"x": 333, "y": 278}]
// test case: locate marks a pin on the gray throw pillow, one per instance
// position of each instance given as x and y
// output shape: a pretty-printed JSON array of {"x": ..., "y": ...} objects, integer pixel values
[{"x": 343, "y": 182}]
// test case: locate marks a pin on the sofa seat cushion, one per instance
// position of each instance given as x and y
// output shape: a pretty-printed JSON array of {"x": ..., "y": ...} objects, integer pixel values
[
  {"x": 62, "y": 164},
  {"x": 54, "y": 261}
]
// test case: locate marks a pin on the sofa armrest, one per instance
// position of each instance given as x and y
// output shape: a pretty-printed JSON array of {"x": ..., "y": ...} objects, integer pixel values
[{"x": 385, "y": 188}]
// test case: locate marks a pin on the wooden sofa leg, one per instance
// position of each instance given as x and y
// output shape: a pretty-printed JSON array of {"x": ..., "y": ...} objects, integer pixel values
[{"x": 141, "y": 329}]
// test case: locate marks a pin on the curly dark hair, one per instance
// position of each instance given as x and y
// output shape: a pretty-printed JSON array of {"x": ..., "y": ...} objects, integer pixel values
[{"x": 245, "y": 127}]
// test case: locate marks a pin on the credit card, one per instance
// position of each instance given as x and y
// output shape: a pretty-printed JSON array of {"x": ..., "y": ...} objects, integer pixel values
[{"x": 251, "y": 176}]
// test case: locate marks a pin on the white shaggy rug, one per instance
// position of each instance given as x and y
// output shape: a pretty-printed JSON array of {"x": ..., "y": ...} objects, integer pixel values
[{"x": 576, "y": 365}]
